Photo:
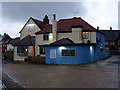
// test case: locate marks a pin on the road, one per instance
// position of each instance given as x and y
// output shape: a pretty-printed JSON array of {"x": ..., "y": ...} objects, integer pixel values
[{"x": 100, "y": 74}]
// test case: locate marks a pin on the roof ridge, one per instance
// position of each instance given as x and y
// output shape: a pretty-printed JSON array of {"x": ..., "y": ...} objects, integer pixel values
[
  {"x": 69, "y": 18},
  {"x": 79, "y": 19}
]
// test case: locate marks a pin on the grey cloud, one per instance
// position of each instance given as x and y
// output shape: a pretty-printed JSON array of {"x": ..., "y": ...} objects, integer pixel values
[
  {"x": 16, "y": 14},
  {"x": 23, "y": 10}
]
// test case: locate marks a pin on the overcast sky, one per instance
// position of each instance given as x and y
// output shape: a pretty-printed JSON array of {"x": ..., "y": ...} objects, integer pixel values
[{"x": 102, "y": 13}]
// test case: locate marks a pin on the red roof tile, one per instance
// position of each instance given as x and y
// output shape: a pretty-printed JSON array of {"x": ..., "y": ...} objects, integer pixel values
[
  {"x": 45, "y": 29},
  {"x": 65, "y": 41},
  {"x": 64, "y": 25}
]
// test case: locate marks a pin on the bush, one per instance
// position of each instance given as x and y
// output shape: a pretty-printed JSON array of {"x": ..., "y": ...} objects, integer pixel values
[{"x": 8, "y": 55}]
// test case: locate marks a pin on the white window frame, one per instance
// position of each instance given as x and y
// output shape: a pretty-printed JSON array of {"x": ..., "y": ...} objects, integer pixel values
[
  {"x": 107, "y": 48},
  {"x": 119, "y": 49},
  {"x": 119, "y": 42},
  {"x": 106, "y": 42},
  {"x": 33, "y": 27},
  {"x": 52, "y": 51},
  {"x": 111, "y": 43},
  {"x": 68, "y": 56}
]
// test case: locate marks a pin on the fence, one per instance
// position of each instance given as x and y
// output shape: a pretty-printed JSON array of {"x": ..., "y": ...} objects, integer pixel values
[{"x": 36, "y": 59}]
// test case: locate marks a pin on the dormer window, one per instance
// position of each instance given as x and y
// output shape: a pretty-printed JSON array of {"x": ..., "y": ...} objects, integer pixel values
[
  {"x": 30, "y": 26},
  {"x": 84, "y": 35}
]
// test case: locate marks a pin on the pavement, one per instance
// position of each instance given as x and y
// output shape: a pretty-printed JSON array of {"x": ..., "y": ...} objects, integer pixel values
[{"x": 101, "y": 74}]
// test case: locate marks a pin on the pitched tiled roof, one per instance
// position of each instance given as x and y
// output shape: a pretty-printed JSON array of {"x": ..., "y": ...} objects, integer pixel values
[
  {"x": 27, "y": 41},
  {"x": 46, "y": 29},
  {"x": 65, "y": 25},
  {"x": 64, "y": 41},
  {"x": 13, "y": 41},
  {"x": 110, "y": 35},
  {"x": 39, "y": 23},
  {"x": 5, "y": 39}
]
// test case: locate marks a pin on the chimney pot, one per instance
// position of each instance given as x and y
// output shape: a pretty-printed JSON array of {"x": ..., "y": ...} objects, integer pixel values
[
  {"x": 97, "y": 28},
  {"x": 4, "y": 33},
  {"x": 46, "y": 20},
  {"x": 54, "y": 16},
  {"x": 110, "y": 28}
]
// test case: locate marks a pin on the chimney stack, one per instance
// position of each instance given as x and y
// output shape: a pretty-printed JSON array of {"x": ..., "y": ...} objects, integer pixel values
[
  {"x": 54, "y": 28},
  {"x": 97, "y": 28},
  {"x": 110, "y": 28},
  {"x": 54, "y": 16},
  {"x": 5, "y": 34},
  {"x": 46, "y": 20}
]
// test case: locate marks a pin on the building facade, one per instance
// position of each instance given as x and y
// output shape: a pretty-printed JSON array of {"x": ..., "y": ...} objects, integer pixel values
[
  {"x": 112, "y": 41},
  {"x": 80, "y": 42},
  {"x": 88, "y": 44}
]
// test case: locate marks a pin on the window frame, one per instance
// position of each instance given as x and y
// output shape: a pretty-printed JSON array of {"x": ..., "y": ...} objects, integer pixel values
[
  {"x": 52, "y": 53},
  {"x": 107, "y": 48},
  {"x": 119, "y": 42},
  {"x": 22, "y": 51},
  {"x": 106, "y": 42},
  {"x": 119, "y": 49},
  {"x": 85, "y": 35},
  {"x": 112, "y": 43},
  {"x": 44, "y": 36},
  {"x": 42, "y": 51},
  {"x": 68, "y": 56}
]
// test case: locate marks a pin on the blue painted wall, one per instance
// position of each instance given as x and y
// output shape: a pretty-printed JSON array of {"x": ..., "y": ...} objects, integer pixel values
[
  {"x": 98, "y": 53},
  {"x": 84, "y": 53}
]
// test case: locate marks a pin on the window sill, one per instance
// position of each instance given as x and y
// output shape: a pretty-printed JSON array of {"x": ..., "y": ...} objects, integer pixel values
[
  {"x": 22, "y": 54},
  {"x": 84, "y": 38},
  {"x": 45, "y": 40},
  {"x": 42, "y": 54}
]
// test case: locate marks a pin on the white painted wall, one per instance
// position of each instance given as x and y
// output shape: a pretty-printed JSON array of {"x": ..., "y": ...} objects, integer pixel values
[
  {"x": 75, "y": 35},
  {"x": 26, "y": 32},
  {"x": 10, "y": 47},
  {"x": 54, "y": 30},
  {"x": 39, "y": 41},
  {"x": 18, "y": 57}
]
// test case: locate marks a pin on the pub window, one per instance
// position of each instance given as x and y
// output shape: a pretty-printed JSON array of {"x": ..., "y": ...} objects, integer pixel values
[
  {"x": 85, "y": 35},
  {"x": 68, "y": 52},
  {"x": 52, "y": 53},
  {"x": 22, "y": 49},
  {"x": 42, "y": 50},
  {"x": 26, "y": 49},
  {"x": 45, "y": 37}
]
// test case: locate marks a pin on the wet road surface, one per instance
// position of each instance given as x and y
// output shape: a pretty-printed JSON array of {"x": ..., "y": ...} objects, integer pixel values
[{"x": 101, "y": 74}]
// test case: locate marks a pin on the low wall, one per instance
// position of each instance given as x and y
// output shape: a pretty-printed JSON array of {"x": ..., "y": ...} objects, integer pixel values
[{"x": 36, "y": 59}]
